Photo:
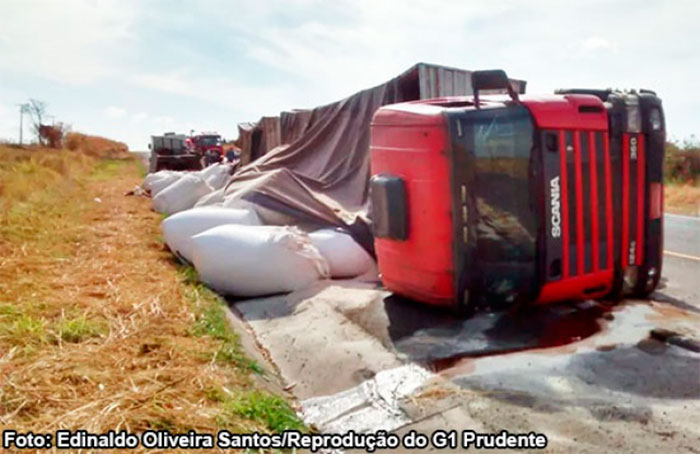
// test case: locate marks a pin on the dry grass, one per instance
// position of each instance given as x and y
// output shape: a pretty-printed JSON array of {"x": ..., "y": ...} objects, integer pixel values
[
  {"x": 95, "y": 146},
  {"x": 682, "y": 199},
  {"x": 99, "y": 328}
]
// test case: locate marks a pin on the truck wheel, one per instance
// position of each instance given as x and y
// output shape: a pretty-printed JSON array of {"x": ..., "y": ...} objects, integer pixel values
[
  {"x": 615, "y": 294},
  {"x": 646, "y": 284}
]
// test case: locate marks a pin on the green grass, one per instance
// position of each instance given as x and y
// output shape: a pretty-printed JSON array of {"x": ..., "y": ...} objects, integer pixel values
[
  {"x": 22, "y": 330},
  {"x": 9, "y": 310},
  {"x": 264, "y": 408},
  {"x": 79, "y": 329},
  {"x": 188, "y": 275},
  {"x": 107, "y": 169},
  {"x": 272, "y": 411},
  {"x": 211, "y": 321},
  {"x": 163, "y": 423}
]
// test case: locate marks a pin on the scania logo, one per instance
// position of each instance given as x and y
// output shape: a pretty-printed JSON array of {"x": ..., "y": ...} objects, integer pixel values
[{"x": 555, "y": 203}]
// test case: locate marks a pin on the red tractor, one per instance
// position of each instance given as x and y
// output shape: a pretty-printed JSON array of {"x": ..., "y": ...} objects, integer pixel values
[
  {"x": 209, "y": 146},
  {"x": 502, "y": 200}
]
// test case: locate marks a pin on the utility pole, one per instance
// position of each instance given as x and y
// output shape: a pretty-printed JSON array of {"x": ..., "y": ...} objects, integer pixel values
[
  {"x": 21, "y": 117},
  {"x": 22, "y": 110}
]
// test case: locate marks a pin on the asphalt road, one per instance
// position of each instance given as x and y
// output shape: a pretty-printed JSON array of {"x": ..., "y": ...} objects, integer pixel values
[{"x": 681, "y": 268}]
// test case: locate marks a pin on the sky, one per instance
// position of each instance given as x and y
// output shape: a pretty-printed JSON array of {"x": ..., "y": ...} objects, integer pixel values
[{"x": 127, "y": 69}]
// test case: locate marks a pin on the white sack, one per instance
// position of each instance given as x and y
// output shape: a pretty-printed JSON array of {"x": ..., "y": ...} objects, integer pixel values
[
  {"x": 218, "y": 179},
  {"x": 253, "y": 261},
  {"x": 181, "y": 195},
  {"x": 237, "y": 202},
  {"x": 345, "y": 257},
  {"x": 159, "y": 185},
  {"x": 209, "y": 171},
  {"x": 213, "y": 198},
  {"x": 153, "y": 177},
  {"x": 179, "y": 228}
]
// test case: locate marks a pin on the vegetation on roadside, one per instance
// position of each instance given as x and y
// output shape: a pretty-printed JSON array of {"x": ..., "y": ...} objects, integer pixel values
[
  {"x": 682, "y": 175},
  {"x": 682, "y": 199},
  {"x": 211, "y": 321},
  {"x": 99, "y": 328},
  {"x": 95, "y": 145},
  {"x": 682, "y": 164}
]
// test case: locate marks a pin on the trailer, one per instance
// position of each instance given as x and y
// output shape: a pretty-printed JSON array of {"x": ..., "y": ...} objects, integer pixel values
[{"x": 170, "y": 151}]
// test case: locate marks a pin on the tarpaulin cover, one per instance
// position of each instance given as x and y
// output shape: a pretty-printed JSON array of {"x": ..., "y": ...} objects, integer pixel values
[
  {"x": 270, "y": 136},
  {"x": 293, "y": 124},
  {"x": 322, "y": 173},
  {"x": 244, "y": 141}
]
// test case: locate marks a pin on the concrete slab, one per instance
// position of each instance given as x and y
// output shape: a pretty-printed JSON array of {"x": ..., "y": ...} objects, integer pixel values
[{"x": 318, "y": 350}]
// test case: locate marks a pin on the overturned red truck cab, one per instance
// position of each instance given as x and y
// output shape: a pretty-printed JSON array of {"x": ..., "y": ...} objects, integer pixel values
[{"x": 493, "y": 201}]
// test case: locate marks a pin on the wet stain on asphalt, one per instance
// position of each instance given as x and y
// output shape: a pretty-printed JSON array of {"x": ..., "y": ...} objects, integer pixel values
[{"x": 440, "y": 340}]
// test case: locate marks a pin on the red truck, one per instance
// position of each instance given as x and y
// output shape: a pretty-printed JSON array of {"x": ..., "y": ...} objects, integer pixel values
[
  {"x": 209, "y": 146},
  {"x": 181, "y": 152},
  {"x": 493, "y": 201}
]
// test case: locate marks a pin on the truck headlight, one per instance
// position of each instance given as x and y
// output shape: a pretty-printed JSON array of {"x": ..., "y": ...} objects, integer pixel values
[{"x": 655, "y": 120}]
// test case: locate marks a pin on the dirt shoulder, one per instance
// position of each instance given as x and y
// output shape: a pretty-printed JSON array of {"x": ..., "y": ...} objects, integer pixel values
[{"x": 99, "y": 328}]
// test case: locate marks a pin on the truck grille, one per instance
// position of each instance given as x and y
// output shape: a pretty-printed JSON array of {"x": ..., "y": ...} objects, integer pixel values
[
  {"x": 633, "y": 185},
  {"x": 579, "y": 203}
]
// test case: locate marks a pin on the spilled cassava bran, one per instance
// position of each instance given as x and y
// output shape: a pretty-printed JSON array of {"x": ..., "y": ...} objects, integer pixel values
[{"x": 99, "y": 328}]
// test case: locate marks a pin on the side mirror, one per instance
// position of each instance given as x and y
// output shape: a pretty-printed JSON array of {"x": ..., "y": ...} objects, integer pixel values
[
  {"x": 150, "y": 146},
  {"x": 494, "y": 79}
]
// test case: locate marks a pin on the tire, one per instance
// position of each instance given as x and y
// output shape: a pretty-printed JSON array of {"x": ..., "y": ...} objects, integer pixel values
[
  {"x": 645, "y": 287},
  {"x": 616, "y": 292}
]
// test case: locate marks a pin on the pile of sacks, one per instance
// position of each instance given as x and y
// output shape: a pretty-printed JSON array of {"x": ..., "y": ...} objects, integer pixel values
[
  {"x": 235, "y": 254},
  {"x": 174, "y": 191},
  {"x": 231, "y": 248}
]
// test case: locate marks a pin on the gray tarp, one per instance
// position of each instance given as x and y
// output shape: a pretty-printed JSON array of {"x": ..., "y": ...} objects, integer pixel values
[{"x": 322, "y": 175}]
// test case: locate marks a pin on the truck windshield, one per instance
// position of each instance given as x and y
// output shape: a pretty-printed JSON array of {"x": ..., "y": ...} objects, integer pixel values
[
  {"x": 502, "y": 209},
  {"x": 210, "y": 141}
]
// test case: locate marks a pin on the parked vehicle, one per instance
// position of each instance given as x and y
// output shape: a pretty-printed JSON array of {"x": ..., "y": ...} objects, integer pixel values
[
  {"x": 504, "y": 200},
  {"x": 181, "y": 152},
  {"x": 170, "y": 151},
  {"x": 209, "y": 146}
]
